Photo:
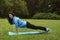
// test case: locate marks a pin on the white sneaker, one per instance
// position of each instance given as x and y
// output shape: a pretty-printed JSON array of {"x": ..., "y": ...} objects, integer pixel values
[{"x": 47, "y": 30}]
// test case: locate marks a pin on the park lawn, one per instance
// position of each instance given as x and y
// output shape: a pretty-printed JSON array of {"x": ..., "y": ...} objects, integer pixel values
[{"x": 54, "y": 33}]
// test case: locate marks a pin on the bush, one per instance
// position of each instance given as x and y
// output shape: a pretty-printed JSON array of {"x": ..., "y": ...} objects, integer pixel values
[{"x": 46, "y": 16}]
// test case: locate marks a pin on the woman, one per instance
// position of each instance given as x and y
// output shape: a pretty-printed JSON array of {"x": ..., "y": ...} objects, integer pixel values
[{"x": 23, "y": 24}]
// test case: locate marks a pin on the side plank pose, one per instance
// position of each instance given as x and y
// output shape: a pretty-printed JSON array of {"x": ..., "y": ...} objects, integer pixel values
[{"x": 12, "y": 19}]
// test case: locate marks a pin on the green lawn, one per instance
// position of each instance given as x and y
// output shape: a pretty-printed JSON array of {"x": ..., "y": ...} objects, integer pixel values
[{"x": 54, "y": 34}]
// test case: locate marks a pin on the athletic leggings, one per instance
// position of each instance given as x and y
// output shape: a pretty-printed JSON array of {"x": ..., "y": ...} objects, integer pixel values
[{"x": 31, "y": 26}]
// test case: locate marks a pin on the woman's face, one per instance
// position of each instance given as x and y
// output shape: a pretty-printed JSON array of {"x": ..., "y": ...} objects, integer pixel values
[{"x": 10, "y": 16}]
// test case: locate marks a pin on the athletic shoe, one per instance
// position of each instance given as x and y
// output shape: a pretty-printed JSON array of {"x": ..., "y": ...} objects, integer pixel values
[{"x": 47, "y": 30}]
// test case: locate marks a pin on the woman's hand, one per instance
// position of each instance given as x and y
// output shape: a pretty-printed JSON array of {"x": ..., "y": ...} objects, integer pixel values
[{"x": 17, "y": 31}]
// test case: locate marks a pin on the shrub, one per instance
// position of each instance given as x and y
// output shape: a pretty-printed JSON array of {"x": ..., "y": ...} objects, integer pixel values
[{"x": 46, "y": 16}]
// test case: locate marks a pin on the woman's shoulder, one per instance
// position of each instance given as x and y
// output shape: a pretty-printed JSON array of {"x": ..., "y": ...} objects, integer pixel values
[{"x": 16, "y": 18}]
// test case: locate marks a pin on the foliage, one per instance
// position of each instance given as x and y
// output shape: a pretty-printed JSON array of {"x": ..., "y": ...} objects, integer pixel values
[
  {"x": 29, "y": 8},
  {"x": 46, "y": 16}
]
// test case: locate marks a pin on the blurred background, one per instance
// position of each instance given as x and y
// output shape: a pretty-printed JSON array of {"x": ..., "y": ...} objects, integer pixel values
[{"x": 31, "y": 9}]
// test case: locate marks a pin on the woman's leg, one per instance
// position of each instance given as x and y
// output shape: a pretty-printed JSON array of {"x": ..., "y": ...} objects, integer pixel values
[{"x": 35, "y": 27}]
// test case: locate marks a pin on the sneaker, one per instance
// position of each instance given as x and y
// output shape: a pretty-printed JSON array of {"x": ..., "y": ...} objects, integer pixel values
[{"x": 47, "y": 30}]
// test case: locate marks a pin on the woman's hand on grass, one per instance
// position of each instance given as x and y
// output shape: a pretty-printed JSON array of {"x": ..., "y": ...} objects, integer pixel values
[{"x": 17, "y": 31}]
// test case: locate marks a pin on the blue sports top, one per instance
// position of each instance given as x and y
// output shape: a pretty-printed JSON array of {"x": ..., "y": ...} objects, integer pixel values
[{"x": 18, "y": 22}]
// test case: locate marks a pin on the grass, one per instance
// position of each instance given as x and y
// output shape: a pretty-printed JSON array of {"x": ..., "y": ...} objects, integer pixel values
[{"x": 54, "y": 34}]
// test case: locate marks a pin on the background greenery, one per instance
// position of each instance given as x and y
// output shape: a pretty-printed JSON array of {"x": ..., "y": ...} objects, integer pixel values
[{"x": 31, "y": 8}]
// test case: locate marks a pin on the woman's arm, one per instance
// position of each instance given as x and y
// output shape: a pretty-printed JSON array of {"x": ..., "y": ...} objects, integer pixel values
[{"x": 16, "y": 24}]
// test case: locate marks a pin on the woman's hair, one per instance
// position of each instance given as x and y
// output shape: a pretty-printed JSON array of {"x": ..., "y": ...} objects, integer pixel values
[{"x": 9, "y": 19}]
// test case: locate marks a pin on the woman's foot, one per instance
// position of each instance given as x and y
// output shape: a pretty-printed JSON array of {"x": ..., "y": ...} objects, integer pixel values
[{"x": 47, "y": 30}]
